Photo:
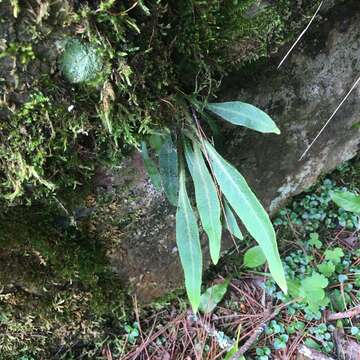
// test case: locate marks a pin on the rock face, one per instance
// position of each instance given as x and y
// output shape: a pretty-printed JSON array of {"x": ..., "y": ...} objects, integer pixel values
[{"x": 301, "y": 96}]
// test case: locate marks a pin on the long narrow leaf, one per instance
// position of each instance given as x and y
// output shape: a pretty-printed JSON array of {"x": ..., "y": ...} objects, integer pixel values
[
  {"x": 150, "y": 167},
  {"x": 207, "y": 201},
  {"x": 168, "y": 161},
  {"x": 240, "y": 113},
  {"x": 231, "y": 223},
  {"x": 250, "y": 211},
  {"x": 188, "y": 243}
]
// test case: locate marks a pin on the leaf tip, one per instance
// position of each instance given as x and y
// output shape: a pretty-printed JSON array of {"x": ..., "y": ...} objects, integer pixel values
[
  {"x": 277, "y": 131},
  {"x": 283, "y": 287}
]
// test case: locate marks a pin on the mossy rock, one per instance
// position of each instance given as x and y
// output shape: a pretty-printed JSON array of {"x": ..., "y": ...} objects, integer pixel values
[
  {"x": 80, "y": 62},
  {"x": 128, "y": 66}
]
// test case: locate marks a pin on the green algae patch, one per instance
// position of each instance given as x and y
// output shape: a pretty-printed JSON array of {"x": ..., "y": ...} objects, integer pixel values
[{"x": 80, "y": 62}]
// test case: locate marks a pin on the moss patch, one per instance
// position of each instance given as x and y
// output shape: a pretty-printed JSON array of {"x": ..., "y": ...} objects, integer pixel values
[
  {"x": 151, "y": 54},
  {"x": 57, "y": 295}
]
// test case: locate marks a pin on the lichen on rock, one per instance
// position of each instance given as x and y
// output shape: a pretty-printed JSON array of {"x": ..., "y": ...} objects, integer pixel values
[{"x": 79, "y": 62}]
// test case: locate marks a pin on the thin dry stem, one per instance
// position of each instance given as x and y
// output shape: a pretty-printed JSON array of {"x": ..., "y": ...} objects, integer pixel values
[
  {"x": 331, "y": 117},
  {"x": 301, "y": 35}
]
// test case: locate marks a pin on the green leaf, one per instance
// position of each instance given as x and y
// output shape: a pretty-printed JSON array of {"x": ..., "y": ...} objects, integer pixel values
[
  {"x": 168, "y": 161},
  {"x": 240, "y": 113},
  {"x": 294, "y": 287},
  {"x": 144, "y": 8},
  {"x": 207, "y": 201},
  {"x": 232, "y": 351},
  {"x": 188, "y": 243},
  {"x": 250, "y": 211},
  {"x": 326, "y": 268},
  {"x": 314, "y": 282},
  {"x": 312, "y": 344},
  {"x": 212, "y": 296},
  {"x": 346, "y": 200},
  {"x": 312, "y": 290},
  {"x": 156, "y": 141},
  {"x": 357, "y": 280},
  {"x": 150, "y": 167},
  {"x": 342, "y": 278},
  {"x": 314, "y": 240},
  {"x": 334, "y": 255},
  {"x": 254, "y": 257},
  {"x": 231, "y": 223},
  {"x": 279, "y": 344}
]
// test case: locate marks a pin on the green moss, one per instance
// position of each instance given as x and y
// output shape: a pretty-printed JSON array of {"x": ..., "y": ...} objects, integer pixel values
[
  {"x": 56, "y": 289},
  {"x": 23, "y": 52},
  {"x": 65, "y": 323}
]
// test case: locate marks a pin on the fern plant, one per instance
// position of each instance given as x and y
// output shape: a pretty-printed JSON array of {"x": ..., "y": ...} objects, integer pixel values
[{"x": 221, "y": 192}]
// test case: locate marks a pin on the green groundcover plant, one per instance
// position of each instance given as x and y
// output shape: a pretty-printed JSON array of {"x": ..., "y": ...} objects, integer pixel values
[{"x": 221, "y": 192}]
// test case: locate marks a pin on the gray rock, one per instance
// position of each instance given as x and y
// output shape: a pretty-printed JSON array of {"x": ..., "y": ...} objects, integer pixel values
[{"x": 301, "y": 96}]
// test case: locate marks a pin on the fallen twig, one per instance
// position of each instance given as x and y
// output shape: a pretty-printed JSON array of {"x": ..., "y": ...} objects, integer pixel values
[
  {"x": 138, "y": 322},
  {"x": 260, "y": 329},
  {"x": 344, "y": 315},
  {"x": 249, "y": 342},
  {"x": 338, "y": 335},
  {"x": 223, "y": 341},
  {"x": 134, "y": 354},
  {"x": 312, "y": 354}
]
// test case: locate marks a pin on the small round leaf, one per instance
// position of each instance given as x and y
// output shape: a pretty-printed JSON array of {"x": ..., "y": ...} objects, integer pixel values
[{"x": 254, "y": 257}]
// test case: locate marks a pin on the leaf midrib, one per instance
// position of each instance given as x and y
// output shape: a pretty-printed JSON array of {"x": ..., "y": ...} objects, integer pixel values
[
  {"x": 234, "y": 183},
  {"x": 202, "y": 176},
  {"x": 187, "y": 222}
]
